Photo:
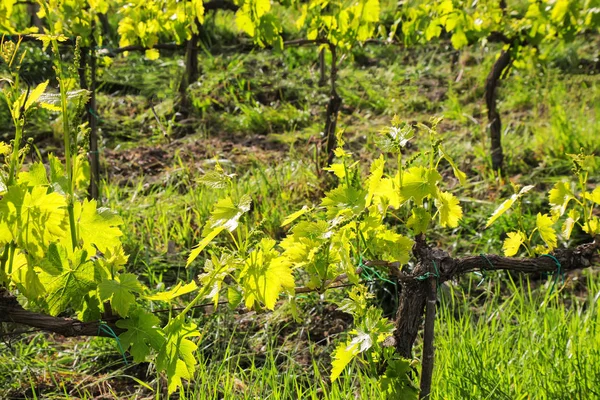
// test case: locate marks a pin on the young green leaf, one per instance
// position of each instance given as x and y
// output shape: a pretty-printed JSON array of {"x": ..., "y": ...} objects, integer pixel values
[
  {"x": 142, "y": 334},
  {"x": 449, "y": 209},
  {"x": 66, "y": 277},
  {"x": 592, "y": 226},
  {"x": 507, "y": 204},
  {"x": 559, "y": 197},
  {"x": 265, "y": 274},
  {"x": 203, "y": 243},
  {"x": 227, "y": 214},
  {"x": 512, "y": 243},
  {"x": 345, "y": 201},
  {"x": 97, "y": 227},
  {"x": 343, "y": 354},
  {"x": 121, "y": 292},
  {"x": 594, "y": 196},
  {"x": 294, "y": 216},
  {"x": 419, "y": 220},
  {"x": 177, "y": 291},
  {"x": 569, "y": 223},
  {"x": 544, "y": 223},
  {"x": 374, "y": 180},
  {"x": 461, "y": 176},
  {"x": 176, "y": 356},
  {"x": 418, "y": 183},
  {"x": 35, "y": 94}
]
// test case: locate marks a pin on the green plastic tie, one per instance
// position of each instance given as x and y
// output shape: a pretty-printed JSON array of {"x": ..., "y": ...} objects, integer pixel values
[
  {"x": 369, "y": 273},
  {"x": 103, "y": 327},
  {"x": 559, "y": 271},
  {"x": 428, "y": 274},
  {"x": 94, "y": 114}
]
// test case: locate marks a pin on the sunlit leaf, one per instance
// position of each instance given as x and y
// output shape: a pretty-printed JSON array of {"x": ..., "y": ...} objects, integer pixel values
[
  {"x": 449, "y": 209},
  {"x": 513, "y": 242},
  {"x": 544, "y": 223},
  {"x": 142, "y": 334},
  {"x": 507, "y": 204}
]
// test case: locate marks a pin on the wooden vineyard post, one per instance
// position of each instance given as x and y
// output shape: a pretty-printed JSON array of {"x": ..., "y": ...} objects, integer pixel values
[
  {"x": 428, "y": 335},
  {"x": 333, "y": 108}
]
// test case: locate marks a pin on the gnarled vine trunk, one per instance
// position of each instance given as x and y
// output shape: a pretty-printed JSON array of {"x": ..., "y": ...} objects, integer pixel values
[
  {"x": 491, "y": 84},
  {"x": 191, "y": 69}
]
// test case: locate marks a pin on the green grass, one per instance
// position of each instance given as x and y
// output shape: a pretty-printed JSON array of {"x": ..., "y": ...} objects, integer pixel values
[{"x": 530, "y": 343}]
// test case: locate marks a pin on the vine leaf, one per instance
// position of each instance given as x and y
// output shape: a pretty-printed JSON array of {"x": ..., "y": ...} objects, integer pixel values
[
  {"x": 142, "y": 334},
  {"x": 25, "y": 277},
  {"x": 265, "y": 274},
  {"x": 507, "y": 204},
  {"x": 344, "y": 200},
  {"x": 225, "y": 215},
  {"x": 513, "y": 242},
  {"x": 32, "y": 219},
  {"x": 559, "y": 198},
  {"x": 36, "y": 176},
  {"x": 294, "y": 216},
  {"x": 374, "y": 180},
  {"x": 449, "y": 208},
  {"x": 461, "y": 176},
  {"x": 418, "y": 183},
  {"x": 343, "y": 354},
  {"x": 594, "y": 196},
  {"x": 569, "y": 223},
  {"x": 215, "y": 272},
  {"x": 178, "y": 290},
  {"x": 35, "y": 94},
  {"x": 396, "y": 381},
  {"x": 544, "y": 223},
  {"x": 120, "y": 291},
  {"x": 419, "y": 220},
  {"x": 66, "y": 277},
  {"x": 176, "y": 356},
  {"x": 97, "y": 227}
]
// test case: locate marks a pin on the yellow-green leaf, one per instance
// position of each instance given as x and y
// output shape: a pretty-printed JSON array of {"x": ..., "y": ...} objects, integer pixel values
[
  {"x": 461, "y": 176},
  {"x": 594, "y": 196},
  {"x": 419, "y": 220},
  {"x": 544, "y": 223},
  {"x": 121, "y": 292},
  {"x": 35, "y": 94},
  {"x": 152, "y": 54},
  {"x": 97, "y": 227},
  {"x": 449, "y": 209},
  {"x": 294, "y": 216},
  {"x": 512, "y": 243},
  {"x": 418, "y": 183},
  {"x": 569, "y": 223},
  {"x": 374, "y": 180},
  {"x": 265, "y": 274},
  {"x": 559, "y": 197},
  {"x": 176, "y": 291},
  {"x": 343, "y": 354},
  {"x": 507, "y": 204},
  {"x": 203, "y": 243},
  {"x": 592, "y": 227},
  {"x": 142, "y": 333}
]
